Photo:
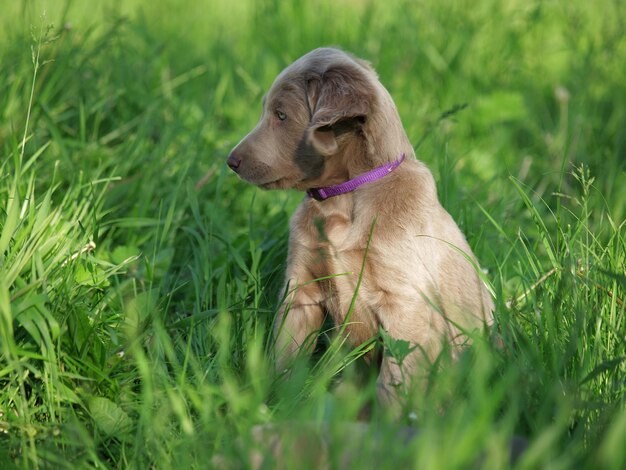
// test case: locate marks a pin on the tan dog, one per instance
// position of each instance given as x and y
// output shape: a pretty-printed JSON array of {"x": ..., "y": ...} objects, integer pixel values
[{"x": 328, "y": 120}]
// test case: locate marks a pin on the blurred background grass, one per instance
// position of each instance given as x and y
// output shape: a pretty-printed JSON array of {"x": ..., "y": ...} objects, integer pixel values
[{"x": 139, "y": 278}]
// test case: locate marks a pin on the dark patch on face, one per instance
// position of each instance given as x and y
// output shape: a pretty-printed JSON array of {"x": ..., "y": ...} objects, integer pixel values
[{"x": 309, "y": 160}]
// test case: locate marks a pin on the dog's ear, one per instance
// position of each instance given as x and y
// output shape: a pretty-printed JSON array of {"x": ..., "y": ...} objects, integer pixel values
[{"x": 341, "y": 93}]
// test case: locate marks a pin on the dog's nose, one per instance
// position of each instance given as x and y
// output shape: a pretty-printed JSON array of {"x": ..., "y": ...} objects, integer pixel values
[{"x": 233, "y": 162}]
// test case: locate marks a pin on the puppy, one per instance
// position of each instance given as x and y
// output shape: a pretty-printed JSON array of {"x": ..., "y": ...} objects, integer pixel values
[{"x": 370, "y": 245}]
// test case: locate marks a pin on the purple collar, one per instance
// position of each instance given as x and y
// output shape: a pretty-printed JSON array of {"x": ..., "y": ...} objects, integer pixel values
[{"x": 319, "y": 194}]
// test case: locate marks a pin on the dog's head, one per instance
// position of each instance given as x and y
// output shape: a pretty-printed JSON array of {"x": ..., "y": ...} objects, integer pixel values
[{"x": 315, "y": 128}]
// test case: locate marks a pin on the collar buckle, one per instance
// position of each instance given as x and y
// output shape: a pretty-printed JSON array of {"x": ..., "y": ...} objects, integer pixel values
[{"x": 317, "y": 193}]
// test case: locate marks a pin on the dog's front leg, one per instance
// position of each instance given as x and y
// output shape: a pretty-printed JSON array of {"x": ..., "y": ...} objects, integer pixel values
[
  {"x": 405, "y": 368},
  {"x": 298, "y": 320}
]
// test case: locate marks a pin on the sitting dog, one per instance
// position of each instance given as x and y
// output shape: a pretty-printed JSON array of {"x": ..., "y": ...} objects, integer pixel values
[{"x": 370, "y": 245}]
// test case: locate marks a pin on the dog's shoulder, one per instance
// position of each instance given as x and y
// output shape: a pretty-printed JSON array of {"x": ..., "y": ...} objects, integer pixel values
[
  {"x": 409, "y": 192},
  {"x": 417, "y": 182}
]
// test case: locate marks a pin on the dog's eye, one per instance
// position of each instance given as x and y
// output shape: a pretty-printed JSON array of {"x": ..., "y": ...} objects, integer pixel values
[{"x": 280, "y": 115}]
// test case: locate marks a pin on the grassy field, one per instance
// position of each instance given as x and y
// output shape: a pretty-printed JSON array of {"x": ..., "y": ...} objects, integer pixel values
[{"x": 139, "y": 278}]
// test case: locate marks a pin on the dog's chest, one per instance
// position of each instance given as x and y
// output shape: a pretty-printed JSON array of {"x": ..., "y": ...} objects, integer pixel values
[
  {"x": 335, "y": 250},
  {"x": 339, "y": 251},
  {"x": 337, "y": 233}
]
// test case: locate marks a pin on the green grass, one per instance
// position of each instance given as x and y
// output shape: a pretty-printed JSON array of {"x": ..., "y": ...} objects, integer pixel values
[{"x": 139, "y": 278}]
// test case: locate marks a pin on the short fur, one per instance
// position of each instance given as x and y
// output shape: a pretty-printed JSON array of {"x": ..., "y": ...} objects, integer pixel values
[{"x": 327, "y": 119}]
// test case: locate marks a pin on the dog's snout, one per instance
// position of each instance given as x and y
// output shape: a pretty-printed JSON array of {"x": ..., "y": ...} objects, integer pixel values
[{"x": 233, "y": 161}]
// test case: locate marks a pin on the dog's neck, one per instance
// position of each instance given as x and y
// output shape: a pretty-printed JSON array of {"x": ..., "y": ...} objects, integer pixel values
[
  {"x": 378, "y": 173},
  {"x": 381, "y": 146}
]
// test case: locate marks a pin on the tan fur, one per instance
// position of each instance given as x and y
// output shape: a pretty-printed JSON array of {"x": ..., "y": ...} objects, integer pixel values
[{"x": 417, "y": 285}]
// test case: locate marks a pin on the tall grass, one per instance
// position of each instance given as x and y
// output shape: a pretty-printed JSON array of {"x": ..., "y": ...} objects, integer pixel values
[{"x": 139, "y": 280}]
